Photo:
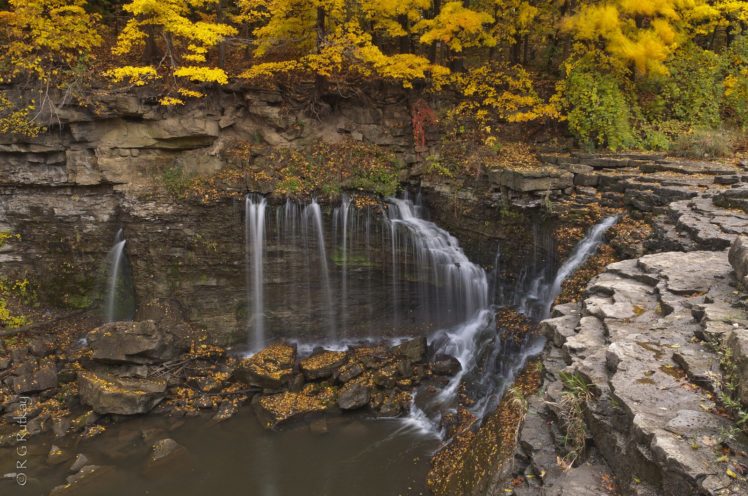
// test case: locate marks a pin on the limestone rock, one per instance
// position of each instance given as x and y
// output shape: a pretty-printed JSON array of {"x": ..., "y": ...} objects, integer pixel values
[
  {"x": 89, "y": 480},
  {"x": 322, "y": 365},
  {"x": 737, "y": 342},
  {"x": 353, "y": 395},
  {"x": 124, "y": 396},
  {"x": 278, "y": 409},
  {"x": 443, "y": 364},
  {"x": 738, "y": 257},
  {"x": 38, "y": 379},
  {"x": 132, "y": 342},
  {"x": 270, "y": 368},
  {"x": 413, "y": 349}
]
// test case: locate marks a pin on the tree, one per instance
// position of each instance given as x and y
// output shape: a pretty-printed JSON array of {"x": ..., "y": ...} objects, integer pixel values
[
  {"x": 46, "y": 39},
  {"x": 176, "y": 45},
  {"x": 641, "y": 32}
]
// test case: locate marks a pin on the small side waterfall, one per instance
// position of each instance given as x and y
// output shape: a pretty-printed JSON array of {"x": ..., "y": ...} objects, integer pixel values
[
  {"x": 254, "y": 236},
  {"x": 581, "y": 253},
  {"x": 538, "y": 285},
  {"x": 115, "y": 280}
]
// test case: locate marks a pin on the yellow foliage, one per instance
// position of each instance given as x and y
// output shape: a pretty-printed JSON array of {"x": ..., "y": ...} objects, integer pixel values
[
  {"x": 185, "y": 38},
  {"x": 646, "y": 45},
  {"x": 16, "y": 121},
  {"x": 169, "y": 101},
  {"x": 45, "y": 37},
  {"x": 137, "y": 76},
  {"x": 457, "y": 27}
]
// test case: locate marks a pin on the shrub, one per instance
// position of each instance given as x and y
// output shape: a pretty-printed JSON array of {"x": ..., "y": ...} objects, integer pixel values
[
  {"x": 597, "y": 109},
  {"x": 704, "y": 143},
  {"x": 735, "y": 103},
  {"x": 692, "y": 93}
]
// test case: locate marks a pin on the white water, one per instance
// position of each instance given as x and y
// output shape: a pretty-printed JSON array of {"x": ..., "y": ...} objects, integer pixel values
[
  {"x": 581, "y": 253},
  {"x": 114, "y": 257},
  {"x": 314, "y": 213},
  {"x": 254, "y": 236}
]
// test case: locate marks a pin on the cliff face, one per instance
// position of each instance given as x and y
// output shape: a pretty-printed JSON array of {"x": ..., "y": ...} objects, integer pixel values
[{"x": 101, "y": 168}]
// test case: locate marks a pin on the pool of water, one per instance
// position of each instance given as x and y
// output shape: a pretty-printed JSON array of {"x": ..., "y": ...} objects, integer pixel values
[{"x": 342, "y": 456}]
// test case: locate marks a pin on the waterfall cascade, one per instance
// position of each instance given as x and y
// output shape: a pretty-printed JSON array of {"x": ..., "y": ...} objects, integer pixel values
[
  {"x": 115, "y": 304},
  {"x": 430, "y": 282},
  {"x": 254, "y": 236}
]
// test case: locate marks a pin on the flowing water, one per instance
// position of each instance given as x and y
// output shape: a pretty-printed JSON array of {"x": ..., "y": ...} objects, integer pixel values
[
  {"x": 254, "y": 235},
  {"x": 374, "y": 266},
  {"x": 117, "y": 300}
]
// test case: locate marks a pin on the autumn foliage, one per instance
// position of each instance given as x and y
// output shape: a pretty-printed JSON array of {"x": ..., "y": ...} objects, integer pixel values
[{"x": 601, "y": 63}]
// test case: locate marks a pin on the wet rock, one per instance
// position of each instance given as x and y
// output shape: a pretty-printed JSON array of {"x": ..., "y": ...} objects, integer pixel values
[
  {"x": 226, "y": 410},
  {"x": 39, "y": 379},
  {"x": 270, "y": 368},
  {"x": 89, "y": 480},
  {"x": 443, "y": 364},
  {"x": 350, "y": 371},
  {"x": 322, "y": 365},
  {"x": 57, "y": 455},
  {"x": 413, "y": 349},
  {"x": 353, "y": 395},
  {"x": 165, "y": 452},
  {"x": 132, "y": 342},
  {"x": 124, "y": 396},
  {"x": 60, "y": 426},
  {"x": 278, "y": 409},
  {"x": 80, "y": 461}
]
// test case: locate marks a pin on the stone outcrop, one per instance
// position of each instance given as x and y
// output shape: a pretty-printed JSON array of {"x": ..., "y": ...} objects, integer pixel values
[
  {"x": 132, "y": 343},
  {"x": 121, "y": 395},
  {"x": 272, "y": 367},
  {"x": 645, "y": 340}
]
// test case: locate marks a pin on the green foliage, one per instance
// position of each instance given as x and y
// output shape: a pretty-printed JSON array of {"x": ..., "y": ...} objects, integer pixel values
[
  {"x": 175, "y": 181},
  {"x": 597, "y": 109},
  {"x": 736, "y": 83},
  {"x": 692, "y": 93}
]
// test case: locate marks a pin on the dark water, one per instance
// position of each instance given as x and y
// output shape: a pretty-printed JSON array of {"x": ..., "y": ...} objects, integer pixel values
[{"x": 356, "y": 456}]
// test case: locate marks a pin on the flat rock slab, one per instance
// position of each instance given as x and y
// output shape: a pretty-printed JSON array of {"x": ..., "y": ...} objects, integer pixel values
[
  {"x": 132, "y": 342},
  {"x": 270, "y": 368},
  {"x": 105, "y": 393}
]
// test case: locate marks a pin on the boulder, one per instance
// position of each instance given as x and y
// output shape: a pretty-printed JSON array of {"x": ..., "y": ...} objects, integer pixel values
[
  {"x": 349, "y": 371},
  {"x": 81, "y": 461},
  {"x": 353, "y": 395},
  {"x": 278, "y": 409},
  {"x": 121, "y": 395},
  {"x": 39, "y": 378},
  {"x": 737, "y": 343},
  {"x": 167, "y": 456},
  {"x": 89, "y": 480},
  {"x": 322, "y": 365},
  {"x": 443, "y": 364},
  {"x": 132, "y": 342},
  {"x": 413, "y": 349},
  {"x": 738, "y": 257},
  {"x": 270, "y": 368}
]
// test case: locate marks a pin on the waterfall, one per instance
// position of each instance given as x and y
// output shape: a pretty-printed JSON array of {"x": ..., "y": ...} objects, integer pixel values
[
  {"x": 254, "y": 238},
  {"x": 581, "y": 253},
  {"x": 464, "y": 298},
  {"x": 344, "y": 207},
  {"x": 313, "y": 216},
  {"x": 437, "y": 253},
  {"x": 115, "y": 259},
  {"x": 535, "y": 298}
]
